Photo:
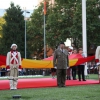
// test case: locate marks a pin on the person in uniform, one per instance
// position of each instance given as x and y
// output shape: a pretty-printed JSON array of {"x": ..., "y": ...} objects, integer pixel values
[
  {"x": 97, "y": 57},
  {"x": 97, "y": 54},
  {"x": 13, "y": 65},
  {"x": 61, "y": 61}
]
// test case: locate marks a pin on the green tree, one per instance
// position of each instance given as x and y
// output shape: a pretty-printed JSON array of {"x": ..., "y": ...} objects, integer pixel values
[
  {"x": 64, "y": 20},
  {"x": 62, "y": 1},
  {"x": 13, "y": 30},
  {"x": 60, "y": 22},
  {"x": 35, "y": 31},
  {"x": 93, "y": 21}
]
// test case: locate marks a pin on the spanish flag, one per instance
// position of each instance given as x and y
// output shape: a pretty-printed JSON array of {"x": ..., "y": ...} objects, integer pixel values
[
  {"x": 44, "y": 7},
  {"x": 74, "y": 60}
]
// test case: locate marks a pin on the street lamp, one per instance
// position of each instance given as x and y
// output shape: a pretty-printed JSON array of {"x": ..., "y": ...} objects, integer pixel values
[{"x": 25, "y": 29}]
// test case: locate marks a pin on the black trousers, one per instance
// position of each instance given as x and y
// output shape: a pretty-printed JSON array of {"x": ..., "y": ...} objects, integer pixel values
[
  {"x": 74, "y": 72},
  {"x": 81, "y": 72},
  {"x": 61, "y": 77}
]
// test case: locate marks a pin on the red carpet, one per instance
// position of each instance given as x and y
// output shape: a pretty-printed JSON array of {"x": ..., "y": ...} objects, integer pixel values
[{"x": 43, "y": 82}]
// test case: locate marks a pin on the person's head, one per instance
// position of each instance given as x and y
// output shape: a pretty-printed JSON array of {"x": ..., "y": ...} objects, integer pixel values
[
  {"x": 74, "y": 51},
  {"x": 13, "y": 46},
  {"x": 62, "y": 45},
  {"x": 70, "y": 49},
  {"x": 80, "y": 50}
]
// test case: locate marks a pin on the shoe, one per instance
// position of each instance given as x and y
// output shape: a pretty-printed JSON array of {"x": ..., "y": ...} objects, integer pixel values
[
  {"x": 59, "y": 86},
  {"x": 63, "y": 85},
  {"x": 79, "y": 80},
  {"x": 11, "y": 88},
  {"x": 84, "y": 80},
  {"x": 15, "y": 88}
]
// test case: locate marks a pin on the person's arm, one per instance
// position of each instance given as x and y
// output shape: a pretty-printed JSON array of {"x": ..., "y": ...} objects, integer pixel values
[
  {"x": 8, "y": 62},
  {"x": 67, "y": 61},
  {"x": 19, "y": 58},
  {"x": 54, "y": 59}
]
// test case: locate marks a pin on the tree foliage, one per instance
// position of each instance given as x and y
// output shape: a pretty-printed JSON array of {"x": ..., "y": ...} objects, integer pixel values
[
  {"x": 59, "y": 23},
  {"x": 35, "y": 31},
  {"x": 63, "y": 20},
  {"x": 13, "y": 30},
  {"x": 93, "y": 22}
]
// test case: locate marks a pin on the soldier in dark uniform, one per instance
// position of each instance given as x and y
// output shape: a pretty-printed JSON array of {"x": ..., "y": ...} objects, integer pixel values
[{"x": 61, "y": 61}]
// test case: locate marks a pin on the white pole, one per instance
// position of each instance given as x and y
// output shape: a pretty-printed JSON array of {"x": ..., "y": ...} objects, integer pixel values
[
  {"x": 44, "y": 39},
  {"x": 84, "y": 34},
  {"x": 25, "y": 33}
]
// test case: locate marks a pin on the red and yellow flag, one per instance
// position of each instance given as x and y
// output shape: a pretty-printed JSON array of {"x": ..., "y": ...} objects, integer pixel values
[
  {"x": 44, "y": 7},
  {"x": 74, "y": 60}
]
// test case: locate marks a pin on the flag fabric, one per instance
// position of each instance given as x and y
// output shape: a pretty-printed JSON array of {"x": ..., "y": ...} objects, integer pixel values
[
  {"x": 44, "y": 7},
  {"x": 47, "y": 62}
]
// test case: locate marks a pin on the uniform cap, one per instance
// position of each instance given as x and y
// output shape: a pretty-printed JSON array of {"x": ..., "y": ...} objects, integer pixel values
[
  {"x": 71, "y": 48},
  {"x": 62, "y": 43},
  {"x": 13, "y": 45}
]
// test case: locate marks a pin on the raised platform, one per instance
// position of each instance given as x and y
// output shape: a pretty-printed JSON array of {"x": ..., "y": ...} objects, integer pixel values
[{"x": 43, "y": 82}]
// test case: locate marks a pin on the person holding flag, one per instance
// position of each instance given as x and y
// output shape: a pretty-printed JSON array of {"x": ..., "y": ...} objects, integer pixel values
[
  {"x": 61, "y": 61},
  {"x": 13, "y": 65}
]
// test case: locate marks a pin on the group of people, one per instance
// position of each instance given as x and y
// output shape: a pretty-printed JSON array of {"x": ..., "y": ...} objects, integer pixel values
[
  {"x": 61, "y": 63},
  {"x": 80, "y": 67}
]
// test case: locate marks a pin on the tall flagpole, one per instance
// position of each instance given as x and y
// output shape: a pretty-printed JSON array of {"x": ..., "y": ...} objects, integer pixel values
[
  {"x": 84, "y": 34},
  {"x": 44, "y": 30},
  {"x": 44, "y": 40},
  {"x": 25, "y": 32}
]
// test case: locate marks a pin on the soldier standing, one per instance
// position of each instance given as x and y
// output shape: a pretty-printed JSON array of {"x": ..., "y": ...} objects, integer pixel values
[
  {"x": 61, "y": 61},
  {"x": 13, "y": 63}
]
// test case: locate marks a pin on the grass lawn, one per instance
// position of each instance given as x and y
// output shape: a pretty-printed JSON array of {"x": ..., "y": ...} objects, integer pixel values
[{"x": 86, "y": 92}]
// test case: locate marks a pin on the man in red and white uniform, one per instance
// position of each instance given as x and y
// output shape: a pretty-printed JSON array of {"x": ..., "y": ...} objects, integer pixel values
[{"x": 13, "y": 63}]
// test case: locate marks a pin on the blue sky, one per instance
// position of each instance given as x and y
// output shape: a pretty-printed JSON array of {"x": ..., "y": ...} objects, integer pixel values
[
  {"x": 2, "y": 11},
  {"x": 28, "y": 4}
]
